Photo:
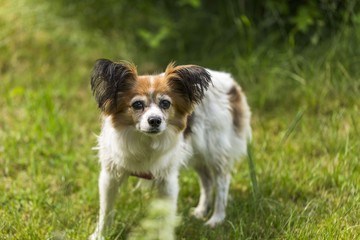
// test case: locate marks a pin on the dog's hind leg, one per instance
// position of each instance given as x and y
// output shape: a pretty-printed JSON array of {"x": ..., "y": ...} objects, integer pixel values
[
  {"x": 206, "y": 191},
  {"x": 222, "y": 182}
]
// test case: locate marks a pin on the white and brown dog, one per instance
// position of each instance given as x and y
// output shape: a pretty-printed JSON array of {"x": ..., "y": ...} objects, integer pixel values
[{"x": 152, "y": 124}]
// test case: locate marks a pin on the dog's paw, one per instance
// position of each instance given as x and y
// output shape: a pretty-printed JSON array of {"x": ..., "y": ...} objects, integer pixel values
[
  {"x": 215, "y": 220},
  {"x": 199, "y": 213},
  {"x": 96, "y": 236}
]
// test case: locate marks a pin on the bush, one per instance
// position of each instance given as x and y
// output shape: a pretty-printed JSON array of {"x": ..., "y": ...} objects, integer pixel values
[{"x": 208, "y": 33}]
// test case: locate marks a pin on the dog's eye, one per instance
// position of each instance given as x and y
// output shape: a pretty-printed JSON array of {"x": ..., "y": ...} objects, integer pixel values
[
  {"x": 138, "y": 105},
  {"x": 164, "y": 104}
]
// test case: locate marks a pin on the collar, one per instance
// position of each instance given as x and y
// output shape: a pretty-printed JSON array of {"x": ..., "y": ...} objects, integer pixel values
[{"x": 144, "y": 175}]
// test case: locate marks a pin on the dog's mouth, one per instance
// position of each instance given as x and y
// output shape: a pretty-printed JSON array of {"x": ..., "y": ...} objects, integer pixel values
[{"x": 152, "y": 131}]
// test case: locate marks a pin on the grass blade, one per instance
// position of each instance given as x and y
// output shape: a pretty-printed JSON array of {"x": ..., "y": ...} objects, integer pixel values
[
  {"x": 252, "y": 171},
  {"x": 292, "y": 126}
]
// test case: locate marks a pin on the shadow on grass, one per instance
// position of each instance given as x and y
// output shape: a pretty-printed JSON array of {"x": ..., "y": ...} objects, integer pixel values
[{"x": 276, "y": 209}]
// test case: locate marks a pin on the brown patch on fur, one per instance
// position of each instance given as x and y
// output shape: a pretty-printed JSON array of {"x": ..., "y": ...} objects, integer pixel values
[
  {"x": 179, "y": 121},
  {"x": 182, "y": 106},
  {"x": 189, "y": 123},
  {"x": 237, "y": 107},
  {"x": 122, "y": 119},
  {"x": 142, "y": 85},
  {"x": 145, "y": 87},
  {"x": 160, "y": 85}
]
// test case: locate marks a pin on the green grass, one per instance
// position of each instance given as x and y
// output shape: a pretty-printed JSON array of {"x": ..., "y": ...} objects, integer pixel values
[{"x": 306, "y": 127}]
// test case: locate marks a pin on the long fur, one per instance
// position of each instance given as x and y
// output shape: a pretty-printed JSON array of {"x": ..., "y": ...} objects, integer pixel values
[
  {"x": 189, "y": 81},
  {"x": 109, "y": 81},
  {"x": 205, "y": 123}
]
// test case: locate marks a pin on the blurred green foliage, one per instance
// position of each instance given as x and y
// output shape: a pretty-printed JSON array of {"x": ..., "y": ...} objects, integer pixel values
[
  {"x": 212, "y": 34},
  {"x": 276, "y": 45},
  {"x": 206, "y": 32},
  {"x": 255, "y": 40}
]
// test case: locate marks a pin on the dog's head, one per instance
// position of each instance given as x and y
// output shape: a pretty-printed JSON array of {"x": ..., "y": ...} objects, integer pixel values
[{"x": 148, "y": 103}]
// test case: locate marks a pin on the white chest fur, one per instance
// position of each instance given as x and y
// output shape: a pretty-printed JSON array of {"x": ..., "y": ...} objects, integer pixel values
[{"x": 133, "y": 151}]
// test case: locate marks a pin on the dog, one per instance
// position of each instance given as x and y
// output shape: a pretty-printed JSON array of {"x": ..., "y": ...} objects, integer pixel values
[{"x": 154, "y": 124}]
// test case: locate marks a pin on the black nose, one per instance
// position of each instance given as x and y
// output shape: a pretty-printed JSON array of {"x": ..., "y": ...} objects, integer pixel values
[{"x": 154, "y": 121}]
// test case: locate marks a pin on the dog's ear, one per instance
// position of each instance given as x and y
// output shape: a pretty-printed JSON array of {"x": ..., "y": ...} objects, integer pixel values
[
  {"x": 109, "y": 81},
  {"x": 188, "y": 81}
]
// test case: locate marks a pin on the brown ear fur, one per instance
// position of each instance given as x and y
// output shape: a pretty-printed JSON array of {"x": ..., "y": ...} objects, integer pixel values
[
  {"x": 189, "y": 83},
  {"x": 110, "y": 81}
]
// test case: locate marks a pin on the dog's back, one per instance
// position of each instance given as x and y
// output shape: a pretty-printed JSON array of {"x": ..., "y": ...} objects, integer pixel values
[
  {"x": 218, "y": 131},
  {"x": 221, "y": 123}
]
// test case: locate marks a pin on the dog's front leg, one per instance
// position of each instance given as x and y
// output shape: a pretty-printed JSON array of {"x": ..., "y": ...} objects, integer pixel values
[
  {"x": 168, "y": 189},
  {"x": 108, "y": 188}
]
